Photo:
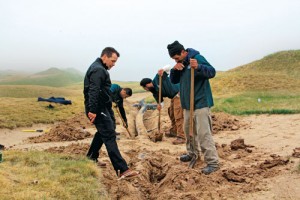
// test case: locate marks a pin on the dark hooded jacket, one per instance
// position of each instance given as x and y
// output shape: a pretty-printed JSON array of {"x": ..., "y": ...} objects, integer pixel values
[
  {"x": 203, "y": 94},
  {"x": 168, "y": 89},
  {"x": 97, "y": 88}
]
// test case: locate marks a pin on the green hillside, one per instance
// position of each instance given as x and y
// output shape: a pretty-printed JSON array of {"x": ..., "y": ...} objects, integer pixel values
[
  {"x": 52, "y": 77},
  {"x": 269, "y": 85},
  {"x": 278, "y": 71}
]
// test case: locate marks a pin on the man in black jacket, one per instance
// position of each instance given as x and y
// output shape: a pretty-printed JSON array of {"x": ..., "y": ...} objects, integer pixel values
[{"x": 98, "y": 107}]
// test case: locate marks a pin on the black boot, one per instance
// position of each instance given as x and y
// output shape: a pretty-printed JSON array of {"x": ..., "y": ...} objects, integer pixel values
[{"x": 186, "y": 158}]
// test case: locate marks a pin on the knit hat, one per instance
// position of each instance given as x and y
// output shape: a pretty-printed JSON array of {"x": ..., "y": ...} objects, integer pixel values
[
  {"x": 175, "y": 48},
  {"x": 145, "y": 81}
]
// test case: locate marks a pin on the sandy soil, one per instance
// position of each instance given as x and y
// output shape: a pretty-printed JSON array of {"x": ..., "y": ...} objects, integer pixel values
[{"x": 258, "y": 156}]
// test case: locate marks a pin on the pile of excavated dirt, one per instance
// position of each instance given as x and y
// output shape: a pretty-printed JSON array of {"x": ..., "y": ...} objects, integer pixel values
[
  {"x": 71, "y": 130},
  {"x": 220, "y": 121},
  {"x": 163, "y": 176}
]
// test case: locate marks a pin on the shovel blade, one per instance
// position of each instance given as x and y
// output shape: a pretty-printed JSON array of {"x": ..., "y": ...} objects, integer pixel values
[{"x": 193, "y": 161}]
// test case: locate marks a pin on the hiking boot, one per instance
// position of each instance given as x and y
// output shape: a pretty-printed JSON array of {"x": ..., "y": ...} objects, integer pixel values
[
  {"x": 186, "y": 158},
  {"x": 170, "y": 134},
  {"x": 209, "y": 169},
  {"x": 179, "y": 141}
]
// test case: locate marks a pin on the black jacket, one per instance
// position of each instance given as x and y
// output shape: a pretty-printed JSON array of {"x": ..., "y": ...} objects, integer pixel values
[{"x": 96, "y": 87}]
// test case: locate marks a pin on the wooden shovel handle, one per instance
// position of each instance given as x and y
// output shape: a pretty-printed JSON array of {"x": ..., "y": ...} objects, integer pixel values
[
  {"x": 117, "y": 109},
  {"x": 192, "y": 101},
  {"x": 159, "y": 101}
]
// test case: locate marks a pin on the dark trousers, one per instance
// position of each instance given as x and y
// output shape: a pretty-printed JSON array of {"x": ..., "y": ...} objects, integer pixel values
[{"x": 106, "y": 134}]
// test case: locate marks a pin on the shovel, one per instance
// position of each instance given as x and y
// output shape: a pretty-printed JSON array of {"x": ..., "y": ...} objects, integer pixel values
[
  {"x": 191, "y": 130},
  {"x": 117, "y": 109}
]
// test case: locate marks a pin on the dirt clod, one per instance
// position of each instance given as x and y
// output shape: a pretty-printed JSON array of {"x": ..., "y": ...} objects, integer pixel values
[
  {"x": 240, "y": 144},
  {"x": 296, "y": 152},
  {"x": 156, "y": 136}
]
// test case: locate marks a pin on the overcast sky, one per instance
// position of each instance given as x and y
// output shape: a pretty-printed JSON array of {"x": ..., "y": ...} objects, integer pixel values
[{"x": 38, "y": 34}]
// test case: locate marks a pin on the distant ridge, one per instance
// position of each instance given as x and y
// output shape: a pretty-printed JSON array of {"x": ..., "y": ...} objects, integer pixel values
[
  {"x": 277, "y": 71},
  {"x": 51, "y": 77}
]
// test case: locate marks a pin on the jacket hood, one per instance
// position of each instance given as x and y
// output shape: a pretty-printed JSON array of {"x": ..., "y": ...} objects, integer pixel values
[{"x": 191, "y": 53}]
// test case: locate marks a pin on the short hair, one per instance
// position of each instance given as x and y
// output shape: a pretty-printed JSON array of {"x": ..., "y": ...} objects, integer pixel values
[
  {"x": 109, "y": 51},
  {"x": 128, "y": 91},
  {"x": 145, "y": 81}
]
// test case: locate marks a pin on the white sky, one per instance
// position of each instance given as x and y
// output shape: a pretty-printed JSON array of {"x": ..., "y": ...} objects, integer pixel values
[{"x": 38, "y": 34}]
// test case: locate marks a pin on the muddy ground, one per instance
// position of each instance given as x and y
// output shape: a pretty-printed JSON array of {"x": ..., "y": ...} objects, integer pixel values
[{"x": 259, "y": 156}]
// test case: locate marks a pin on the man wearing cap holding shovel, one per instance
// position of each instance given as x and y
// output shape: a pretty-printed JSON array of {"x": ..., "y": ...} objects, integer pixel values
[{"x": 189, "y": 62}]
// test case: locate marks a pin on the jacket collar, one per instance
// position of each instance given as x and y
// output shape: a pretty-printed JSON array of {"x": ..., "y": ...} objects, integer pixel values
[{"x": 99, "y": 60}]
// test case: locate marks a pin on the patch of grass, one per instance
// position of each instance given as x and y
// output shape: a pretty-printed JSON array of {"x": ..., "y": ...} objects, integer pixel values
[
  {"x": 41, "y": 175},
  {"x": 20, "y": 108},
  {"x": 259, "y": 103},
  {"x": 35, "y": 91},
  {"x": 23, "y": 112}
]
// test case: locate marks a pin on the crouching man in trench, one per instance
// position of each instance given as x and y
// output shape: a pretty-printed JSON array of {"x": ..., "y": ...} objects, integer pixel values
[{"x": 118, "y": 95}]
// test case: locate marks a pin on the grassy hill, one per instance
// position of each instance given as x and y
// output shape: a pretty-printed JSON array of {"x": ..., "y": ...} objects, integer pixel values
[
  {"x": 278, "y": 71},
  {"x": 52, "y": 77},
  {"x": 268, "y": 85}
]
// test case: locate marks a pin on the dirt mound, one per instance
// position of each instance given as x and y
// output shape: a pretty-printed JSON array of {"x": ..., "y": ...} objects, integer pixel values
[
  {"x": 71, "y": 130},
  {"x": 225, "y": 122},
  {"x": 72, "y": 149},
  {"x": 221, "y": 121}
]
